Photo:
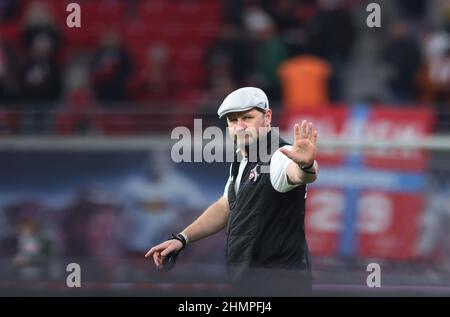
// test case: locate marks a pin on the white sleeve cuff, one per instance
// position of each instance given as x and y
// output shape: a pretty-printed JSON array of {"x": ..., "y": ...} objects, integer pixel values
[{"x": 278, "y": 167}]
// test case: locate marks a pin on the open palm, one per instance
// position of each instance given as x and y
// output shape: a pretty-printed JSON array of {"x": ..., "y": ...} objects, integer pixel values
[{"x": 303, "y": 150}]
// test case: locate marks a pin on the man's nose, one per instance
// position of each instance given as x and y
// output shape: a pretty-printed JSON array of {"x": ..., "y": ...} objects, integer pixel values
[{"x": 241, "y": 126}]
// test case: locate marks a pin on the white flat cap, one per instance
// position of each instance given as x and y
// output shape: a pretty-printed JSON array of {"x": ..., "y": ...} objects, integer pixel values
[{"x": 243, "y": 99}]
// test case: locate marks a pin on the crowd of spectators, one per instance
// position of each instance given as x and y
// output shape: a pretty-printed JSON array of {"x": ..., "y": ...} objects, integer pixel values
[{"x": 147, "y": 61}]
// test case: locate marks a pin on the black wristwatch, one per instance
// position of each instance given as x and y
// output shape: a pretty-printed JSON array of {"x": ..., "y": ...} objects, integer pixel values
[
  {"x": 306, "y": 168},
  {"x": 180, "y": 238}
]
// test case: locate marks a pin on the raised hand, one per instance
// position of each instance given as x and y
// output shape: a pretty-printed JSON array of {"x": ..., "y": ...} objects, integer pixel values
[{"x": 303, "y": 150}]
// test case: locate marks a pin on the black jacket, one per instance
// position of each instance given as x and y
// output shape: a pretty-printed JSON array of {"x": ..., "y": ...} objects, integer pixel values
[{"x": 266, "y": 231}]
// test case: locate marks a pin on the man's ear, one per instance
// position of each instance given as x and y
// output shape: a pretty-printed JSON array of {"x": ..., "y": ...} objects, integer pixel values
[{"x": 268, "y": 117}]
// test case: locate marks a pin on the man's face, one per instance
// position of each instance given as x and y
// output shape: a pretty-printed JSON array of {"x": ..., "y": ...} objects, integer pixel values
[{"x": 246, "y": 126}]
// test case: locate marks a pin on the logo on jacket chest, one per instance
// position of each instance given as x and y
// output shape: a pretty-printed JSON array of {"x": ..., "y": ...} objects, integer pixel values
[{"x": 254, "y": 174}]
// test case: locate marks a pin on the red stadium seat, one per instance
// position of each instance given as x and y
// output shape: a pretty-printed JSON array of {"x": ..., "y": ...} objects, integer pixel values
[
  {"x": 137, "y": 36},
  {"x": 9, "y": 122},
  {"x": 191, "y": 54},
  {"x": 197, "y": 10},
  {"x": 10, "y": 32},
  {"x": 190, "y": 76},
  {"x": 66, "y": 122},
  {"x": 113, "y": 123}
]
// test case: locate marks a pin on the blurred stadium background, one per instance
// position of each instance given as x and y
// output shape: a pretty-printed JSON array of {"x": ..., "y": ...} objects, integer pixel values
[{"x": 86, "y": 116}]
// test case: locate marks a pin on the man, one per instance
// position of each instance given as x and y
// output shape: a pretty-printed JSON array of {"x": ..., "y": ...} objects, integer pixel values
[{"x": 266, "y": 250}]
